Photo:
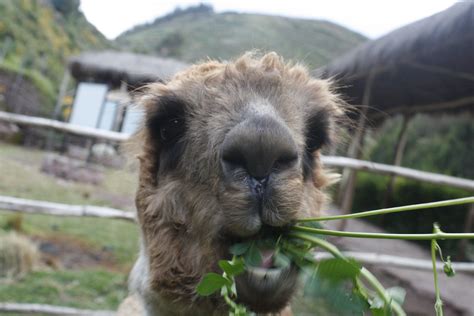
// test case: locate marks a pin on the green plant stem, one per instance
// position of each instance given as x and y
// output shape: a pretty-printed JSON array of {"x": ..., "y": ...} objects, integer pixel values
[
  {"x": 382, "y": 211},
  {"x": 230, "y": 302},
  {"x": 438, "y": 235},
  {"x": 434, "y": 248},
  {"x": 367, "y": 276}
]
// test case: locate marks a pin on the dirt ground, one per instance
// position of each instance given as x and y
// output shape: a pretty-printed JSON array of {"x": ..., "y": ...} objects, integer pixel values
[{"x": 61, "y": 251}]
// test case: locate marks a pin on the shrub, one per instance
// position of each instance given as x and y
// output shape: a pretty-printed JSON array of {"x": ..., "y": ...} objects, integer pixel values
[
  {"x": 371, "y": 190},
  {"x": 18, "y": 256}
]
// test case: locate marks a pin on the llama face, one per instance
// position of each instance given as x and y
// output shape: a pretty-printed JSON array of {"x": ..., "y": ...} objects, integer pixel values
[{"x": 230, "y": 150}]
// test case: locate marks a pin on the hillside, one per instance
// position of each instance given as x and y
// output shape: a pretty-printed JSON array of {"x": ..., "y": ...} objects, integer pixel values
[
  {"x": 198, "y": 32},
  {"x": 37, "y": 36}
]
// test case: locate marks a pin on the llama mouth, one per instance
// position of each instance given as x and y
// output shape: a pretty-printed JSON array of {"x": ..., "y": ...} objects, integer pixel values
[
  {"x": 268, "y": 282},
  {"x": 266, "y": 278},
  {"x": 268, "y": 272},
  {"x": 267, "y": 285},
  {"x": 267, "y": 290}
]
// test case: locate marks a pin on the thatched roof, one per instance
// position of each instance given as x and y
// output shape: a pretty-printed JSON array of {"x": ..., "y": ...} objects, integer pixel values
[
  {"x": 424, "y": 66},
  {"x": 113, "y": 67}
]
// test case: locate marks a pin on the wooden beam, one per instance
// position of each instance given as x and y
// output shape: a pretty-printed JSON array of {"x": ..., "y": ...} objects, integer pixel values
[
  {"x": 422, "y": 108},
  {"x": 356, "y": 164},
  {"x": 13, "y": 204},
  {"x": 61, "y": 126},
  {"x": 468, "y": 228},
  {"x": 349, "y": 176},
  {"x": 397, "y": 261},
  {"x": 61, "y": 94},
  {"x": 397, "y": 159},
  {"x": 44, "y": 309},
  {"x": 442, "y": 70}
]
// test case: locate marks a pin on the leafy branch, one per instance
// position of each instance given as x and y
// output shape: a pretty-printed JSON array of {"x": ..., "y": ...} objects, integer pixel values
[
  {"x": 294, "y": 247},
  {"x": 366, "y": 274},
  {"x": 213, "y": 282}
]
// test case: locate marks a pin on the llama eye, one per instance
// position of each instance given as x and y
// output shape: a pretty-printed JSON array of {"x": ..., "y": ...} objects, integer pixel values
[{"x": 171, "y": 130}]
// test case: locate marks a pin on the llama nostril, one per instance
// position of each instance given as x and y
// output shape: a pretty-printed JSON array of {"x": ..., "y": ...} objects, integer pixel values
[
  {"x": 285, "y": 161},
  {"x": 258, "y": 186},
  {"x": 234, "y": 159}
]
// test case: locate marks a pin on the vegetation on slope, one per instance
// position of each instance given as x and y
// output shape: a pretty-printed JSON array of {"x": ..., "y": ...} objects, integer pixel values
[
  {"x": 197, "y": 32},
  {"x": 36, "y": 37}
]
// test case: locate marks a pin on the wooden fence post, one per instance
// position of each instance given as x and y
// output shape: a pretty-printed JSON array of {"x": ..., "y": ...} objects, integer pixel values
[
  {"x": 468, "y": 228},
  {"x": 398, "y": 156},
  {"x": 349, "y": 176}
]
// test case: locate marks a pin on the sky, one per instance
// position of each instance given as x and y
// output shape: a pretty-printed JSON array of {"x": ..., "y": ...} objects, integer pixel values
[{"x": 371, "y": 18}]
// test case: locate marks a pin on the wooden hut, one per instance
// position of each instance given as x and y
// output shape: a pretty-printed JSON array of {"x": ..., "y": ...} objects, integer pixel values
[
  {"x": 426, "y": 66},
  {"x": 115, "y": 68}
]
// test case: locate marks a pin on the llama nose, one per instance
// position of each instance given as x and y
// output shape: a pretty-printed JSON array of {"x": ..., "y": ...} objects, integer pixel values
[{"x": 260, "y": 146}]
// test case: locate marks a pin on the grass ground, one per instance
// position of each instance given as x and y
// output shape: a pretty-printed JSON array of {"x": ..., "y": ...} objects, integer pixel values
[{"x": 100, "y": 285}]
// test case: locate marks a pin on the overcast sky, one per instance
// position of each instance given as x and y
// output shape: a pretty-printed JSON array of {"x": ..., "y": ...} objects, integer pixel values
[{"x": 372, "y": 18}]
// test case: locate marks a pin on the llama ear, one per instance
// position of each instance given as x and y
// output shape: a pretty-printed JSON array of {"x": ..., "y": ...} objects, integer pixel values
[
  {"x": 142, "y": 153},
  {"x": 141, "y": 146},
  {"x": 144, "y": 158}
]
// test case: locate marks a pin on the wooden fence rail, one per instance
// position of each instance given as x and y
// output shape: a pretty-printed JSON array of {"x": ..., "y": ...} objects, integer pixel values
[
  {"x": 13, "y": 204},
  {"x": 374, "y": 167},
  {"x": 8, "y": 203},
  {"x": 43, "y": 309},
  {"x": 398, "y": 261},
  {"x": 62, "y": 126}
]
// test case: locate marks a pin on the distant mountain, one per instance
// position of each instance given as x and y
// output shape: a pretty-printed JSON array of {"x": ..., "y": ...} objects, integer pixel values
[
  {"x": 198, "y": 32},
  {"x": 37, "y": 36}
]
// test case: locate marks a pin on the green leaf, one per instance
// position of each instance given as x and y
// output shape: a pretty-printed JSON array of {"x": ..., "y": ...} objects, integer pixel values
[
  {"x": 232, "y": 268},
  {"x": 280, "y": 260},
  {"x": 397, "y": 294},
  {"x": 339, "y": 298},
  {"x": 378, "y": 308},
  {"x": 448, "y": 268},
  {"x": 338, "y": 270},
  {"x": 316, "y": 225},
  {"x": 240, "y": 248},
  {"x": 211, "y": 283},
  {"x": 253, "y": 257},
  {"x": 379, "y": 312},
  {"x": 376, "y": 303},
  {"x": 233, "y": 290}
]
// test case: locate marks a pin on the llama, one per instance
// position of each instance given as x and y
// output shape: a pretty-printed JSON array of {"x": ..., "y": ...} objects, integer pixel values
[{"x": 225, "y": 150}]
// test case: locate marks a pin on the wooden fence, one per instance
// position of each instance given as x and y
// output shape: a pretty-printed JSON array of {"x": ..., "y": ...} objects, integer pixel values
[{"x": 331, "y": 161}]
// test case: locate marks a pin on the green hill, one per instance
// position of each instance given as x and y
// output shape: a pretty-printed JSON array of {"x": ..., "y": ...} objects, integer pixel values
[
  {"x": 197, "y": 32},
  {"x": 37, "y": 36}
]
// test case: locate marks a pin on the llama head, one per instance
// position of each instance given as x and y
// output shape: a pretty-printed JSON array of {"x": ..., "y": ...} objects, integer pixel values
[{"x": 226, "y": 151}]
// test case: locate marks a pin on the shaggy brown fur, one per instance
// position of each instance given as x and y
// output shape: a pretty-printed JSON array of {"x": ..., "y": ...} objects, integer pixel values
[{"x": 185, "y": 208}]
